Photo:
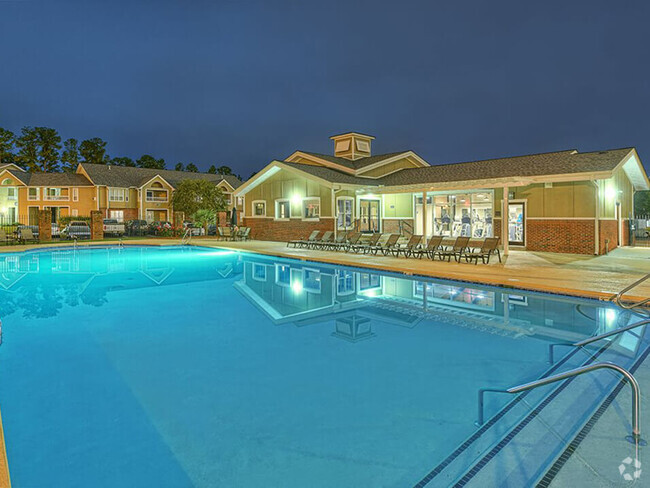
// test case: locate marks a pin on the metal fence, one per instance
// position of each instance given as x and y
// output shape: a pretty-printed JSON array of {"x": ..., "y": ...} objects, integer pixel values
[{"x": 640, "y": 230}]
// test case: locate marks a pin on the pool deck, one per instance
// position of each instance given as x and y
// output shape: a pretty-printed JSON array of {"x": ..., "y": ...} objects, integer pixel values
[{"x": 598, "y": 277}]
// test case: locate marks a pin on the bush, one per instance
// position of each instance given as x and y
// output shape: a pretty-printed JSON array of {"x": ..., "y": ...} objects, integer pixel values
[{"x": 67, "y": 219}]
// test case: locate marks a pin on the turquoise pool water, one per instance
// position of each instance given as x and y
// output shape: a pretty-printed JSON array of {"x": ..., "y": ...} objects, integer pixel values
[{"x": 174, "y": 367}]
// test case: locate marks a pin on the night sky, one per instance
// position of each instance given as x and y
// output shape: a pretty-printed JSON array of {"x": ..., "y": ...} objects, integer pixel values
[{"x": 244, "y": 82}]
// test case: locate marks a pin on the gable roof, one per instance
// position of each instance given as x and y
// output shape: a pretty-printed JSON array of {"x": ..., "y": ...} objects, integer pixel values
[
  {"x": 11, "y": 166},
  {"x": 125, "y": 177},
  {"x": 50, "y": 179},
  {"x": 331, "y": 175},
  {"x": 346, "y": 163}
]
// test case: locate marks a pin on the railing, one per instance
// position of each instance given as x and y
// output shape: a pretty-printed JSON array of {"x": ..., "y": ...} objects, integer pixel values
[
  {"x": 156, "y": 199},
  {"x": 187, "y": 237},
  {"x": 619, "y": 295},
  {"x": 405, "y": 228},
  {"x": 56, "y": 198},
  {"x": 636, "y": 392}
]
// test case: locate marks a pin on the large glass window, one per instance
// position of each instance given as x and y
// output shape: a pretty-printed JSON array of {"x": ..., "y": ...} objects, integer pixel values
[
  {"x": 457, "y": 214},
  {"x": 118, "y": 195},
  {"x": 344, "y": 212},
  {"x": 282, "y": 209}
]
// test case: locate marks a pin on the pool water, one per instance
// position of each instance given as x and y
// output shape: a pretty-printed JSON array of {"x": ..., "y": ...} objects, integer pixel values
[{"x": 174, "y": 367}]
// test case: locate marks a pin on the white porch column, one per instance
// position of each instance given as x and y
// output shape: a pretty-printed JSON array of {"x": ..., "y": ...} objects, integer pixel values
[
  {"x": 424, "y": 217},
  {"x": 505, "y": 236}
]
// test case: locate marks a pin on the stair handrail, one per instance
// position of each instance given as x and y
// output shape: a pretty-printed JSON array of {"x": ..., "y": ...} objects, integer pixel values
[
  {"x": 187, "y": 237},
  {"x": 636, "y": 391},
  {"x": 590, "y": 340},
  {"x": 617, "y": 298}
]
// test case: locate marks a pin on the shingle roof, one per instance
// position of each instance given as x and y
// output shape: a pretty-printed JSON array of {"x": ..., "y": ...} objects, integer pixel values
[
  {"x": 331, "y": 175},
  {"x": 123, "y": 177},
  {"x": 51, "y": 179},
  {"x": 555, "y": 163},
  {"x": 359, "y": 163}
]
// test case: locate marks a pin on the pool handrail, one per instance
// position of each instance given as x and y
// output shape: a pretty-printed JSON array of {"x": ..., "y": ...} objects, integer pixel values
[
  {"x": 636, "y": 391},
  {"x": 617, "y": 298},
  {"x": 611, "y": 333},
  {"x": 187, "y": 237}
]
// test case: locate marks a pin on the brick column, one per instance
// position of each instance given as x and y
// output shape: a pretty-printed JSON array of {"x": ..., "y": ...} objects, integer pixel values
[
  {"x": 45, "y": 225},
  {"x": 222, "y": 219},
  {"x": 96, "y": 225}
]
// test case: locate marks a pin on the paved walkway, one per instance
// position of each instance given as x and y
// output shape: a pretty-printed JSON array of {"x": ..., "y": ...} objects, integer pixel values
[{"x": 571, "y": 274}]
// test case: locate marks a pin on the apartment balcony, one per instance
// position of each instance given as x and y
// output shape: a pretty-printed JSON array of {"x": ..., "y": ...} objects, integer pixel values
[
  {"x": 154, "y": 198},
  {"x": 56, "y": 198}
]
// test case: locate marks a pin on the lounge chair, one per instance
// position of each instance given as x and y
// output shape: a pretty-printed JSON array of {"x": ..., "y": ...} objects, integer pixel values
[
  {"x": 304, "y": 242},
  {"x": 388, "y": 246},
  {"x": 488, "y": 248},
  {"x": 433, "y": 247},
  {"x": 245, "y": 233},
  {"x": 323, "y": 242},
  {"x": 340, "y": 241},
  {"x": 366, "y": 246},
  {"x": 457, "y": 250},
  {"x": 410, "y": 248},
  {"x": 6, "y": 237},
  {"x": 225, "y": 233},
  {"x": 26, "y": 235},
  {"x": 352, "y": 240}
]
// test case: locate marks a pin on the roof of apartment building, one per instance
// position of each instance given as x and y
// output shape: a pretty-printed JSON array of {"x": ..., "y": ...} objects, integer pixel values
[
  {"x": 356, "y": 164},
  {"x": 50, "y": 179},
  {"x": 558, "y": 163},
  {"x": 125, "y": 177}
]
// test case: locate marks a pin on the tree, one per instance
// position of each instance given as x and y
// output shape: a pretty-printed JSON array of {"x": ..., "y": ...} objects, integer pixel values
[
  {"x": 123, "y": 161},
  {"x": 191, "y": 196},
  {"x": 192, "y": 168},
  {"x": 642, "y": 203},
  {"x": 94, "y": 151},
  {"x": 224, "y": 170},
  {"x": 7, "y": 141},
  {"x": 212, "y": 170},
  {"x": 204, "y": 218},
  {"x": 148, "y": 161},
  {"x": 27, "y": 145},
  {"x": 179, "y": 167},
  {"x": 70, "y": 156},
  {"x": 49, "y": 142}
]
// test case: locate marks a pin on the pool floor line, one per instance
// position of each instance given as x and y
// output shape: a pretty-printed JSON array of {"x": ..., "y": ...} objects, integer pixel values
[{"x": 5, "y": 480}]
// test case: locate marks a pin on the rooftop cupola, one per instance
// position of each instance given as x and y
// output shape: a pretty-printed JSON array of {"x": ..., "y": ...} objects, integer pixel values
[{"x": 352, "y": 145}]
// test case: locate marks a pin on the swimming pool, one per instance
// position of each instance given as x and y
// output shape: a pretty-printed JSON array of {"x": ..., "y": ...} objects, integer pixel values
[{"x": 172, "y": 367}]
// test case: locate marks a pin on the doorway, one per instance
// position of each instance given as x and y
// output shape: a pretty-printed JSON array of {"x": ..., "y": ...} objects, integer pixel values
[
  {"x": 517, "y": 224},
  {"x": 369, "y": 215}
]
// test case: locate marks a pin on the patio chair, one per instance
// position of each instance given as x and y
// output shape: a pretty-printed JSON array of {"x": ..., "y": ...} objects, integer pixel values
[
  {"x": 456, "y": 250},
  {"x": 339, "y": 242},
  {"x": 411, "y": 247},
  {"x": 365, "y": 246},
  {"x": 225, "y": 233},
  {"x": 488, "y": 248},
  {"x": 245, "y": 234},
  {"x": 323, "y": 242},
  {"x": 305, "y": 241},
  {"x": 433, "y": 247},
  {"x": 26, "y": 235},
  {"x": 388, "y": 246},
  {"x": 6, "y": 237},
  {"x": 352, "y": 240}
]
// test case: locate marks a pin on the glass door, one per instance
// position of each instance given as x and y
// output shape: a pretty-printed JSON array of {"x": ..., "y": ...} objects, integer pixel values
[
  {"x": 344, "y": 213},
  {"x": 369, "y": 215},
  {"x": 516, "y": 224}
]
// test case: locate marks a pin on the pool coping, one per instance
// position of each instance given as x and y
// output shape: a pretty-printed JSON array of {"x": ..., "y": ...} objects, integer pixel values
[{"x": 5, "y": 480}]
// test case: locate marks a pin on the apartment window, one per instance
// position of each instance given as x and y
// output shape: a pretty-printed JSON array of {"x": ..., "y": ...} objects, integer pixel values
[
  {"x": 282, "y": 209},
  {"x": 75, "y": 194},
  {"x": 32, "y": 193},
  {"x": 55, "y": 194},
  {"x": 311, "y": 208},
  {"x": 117, "y": 215},
  {"x": 118, "y": 195},
  {"x": 344, "y": 212},
  {"x": 11, "y": 194},
  {"x": 156, "y": 193},
  {"x": 75, "y": 212},
  {"x": 259, "y": 208}
]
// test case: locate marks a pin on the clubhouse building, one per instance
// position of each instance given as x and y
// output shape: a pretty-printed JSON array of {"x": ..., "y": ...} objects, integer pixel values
[{"x": 564, "y": 201}]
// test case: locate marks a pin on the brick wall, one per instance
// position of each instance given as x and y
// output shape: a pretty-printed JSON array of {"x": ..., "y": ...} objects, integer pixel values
[
  {"x": 496, "y": 230},
  {"x": 608, "y": 230},
  {"x": 566, "y": 236},
  {"x": 45, "y": 225},
  {"x": 391, "y": 226},
  {"x": 626, "y": 233},
  {"x": 96, "y": 225},
  {"x": 273, "y": 230}
]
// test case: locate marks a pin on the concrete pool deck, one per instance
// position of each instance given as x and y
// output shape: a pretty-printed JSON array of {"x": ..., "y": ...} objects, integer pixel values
[{"x": 598, "y": 277}]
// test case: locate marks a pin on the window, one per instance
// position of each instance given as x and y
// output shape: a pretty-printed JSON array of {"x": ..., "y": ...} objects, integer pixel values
[
  {"x": 311, "y": 208},
  {"x": 32, "y": 194},
  {"x": 345, "y": 283},
  {"x": 344, "y": 212},
  {"x": 311, "y": 280},
  {"x": 283, "y": 274},
  {"x": 11, "y": 194},
  {"x": 282, "y": 209},
  {"x": 156, "y": 195},
  {"x": 75, "y": 194},
  {"x": 119, "y": 195},
  {"x": 117, "y": 215},
  {"x": 75, "y": 212},
  {"x": 55, "y": 194},
  {"x": 7, "y": 181},
  {"x": 259, "y": 208},
  {"x": 259, "y": 272}
]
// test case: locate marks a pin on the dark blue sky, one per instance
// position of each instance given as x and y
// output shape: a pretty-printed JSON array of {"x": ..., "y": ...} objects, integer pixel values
[{"x": 243, "y": 82}]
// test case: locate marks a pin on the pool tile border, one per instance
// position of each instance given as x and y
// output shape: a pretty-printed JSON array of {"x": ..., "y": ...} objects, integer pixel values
[{"x": 5, "y": 480}]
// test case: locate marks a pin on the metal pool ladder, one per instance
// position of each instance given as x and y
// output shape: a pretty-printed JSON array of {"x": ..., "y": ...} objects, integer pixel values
[{"x": 187, "y": 237}]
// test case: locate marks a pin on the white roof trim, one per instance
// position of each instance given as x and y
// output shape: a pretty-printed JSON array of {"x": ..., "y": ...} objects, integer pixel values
[{"x": 293, "y": 158}]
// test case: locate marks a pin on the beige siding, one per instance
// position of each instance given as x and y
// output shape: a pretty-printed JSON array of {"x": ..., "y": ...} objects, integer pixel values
[
  {"x": 569, "y": 200},
  {"x": 389, "y": 168},
  {"x": 398, "y": 205},
  {"x": 616, "y": 189},
  {"x": 285, "y": 184}
]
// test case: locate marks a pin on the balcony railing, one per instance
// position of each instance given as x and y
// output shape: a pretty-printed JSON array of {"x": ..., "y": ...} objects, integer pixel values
[
  {"x": 153, "y": 198},
  {"x": 56, "y": 198}
]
